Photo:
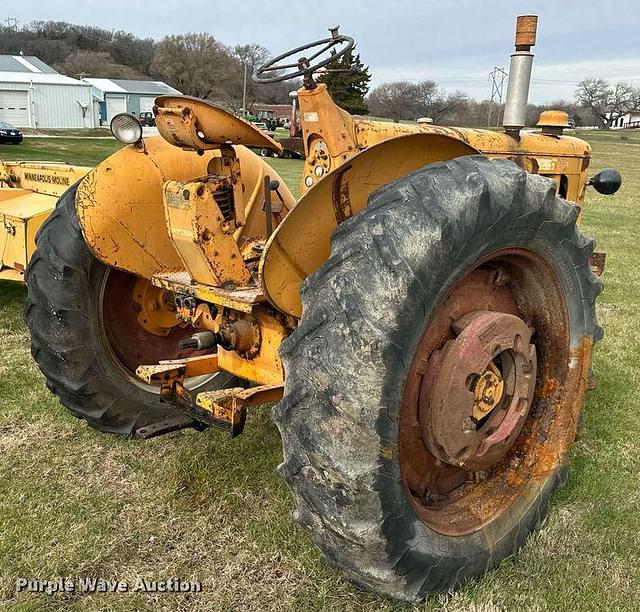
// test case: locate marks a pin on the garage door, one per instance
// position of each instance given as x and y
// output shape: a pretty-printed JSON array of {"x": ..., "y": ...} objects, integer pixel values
[
  {"x": 14, "y": 107},
  {"x": 115, "y": 105},
  {"x": 146, "y": 104}
]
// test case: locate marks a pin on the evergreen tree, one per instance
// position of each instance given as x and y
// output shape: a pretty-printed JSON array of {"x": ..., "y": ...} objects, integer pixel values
[{"x": 349, "y": 86}]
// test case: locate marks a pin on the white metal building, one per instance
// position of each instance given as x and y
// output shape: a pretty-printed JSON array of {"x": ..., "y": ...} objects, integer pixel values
[
  {"x": 33, "y": 94},
  {"x": 630, "y": 120},
  {"x": 113, "y": 96}
]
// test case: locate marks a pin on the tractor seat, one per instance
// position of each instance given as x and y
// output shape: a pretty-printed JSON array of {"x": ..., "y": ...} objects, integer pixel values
[{"x": 191, "y": 123}]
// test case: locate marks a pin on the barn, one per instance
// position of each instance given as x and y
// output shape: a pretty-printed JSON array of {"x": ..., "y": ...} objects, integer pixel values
[
  {"x": 115, "y": 96},
  {"x": 34, "y": 95}
]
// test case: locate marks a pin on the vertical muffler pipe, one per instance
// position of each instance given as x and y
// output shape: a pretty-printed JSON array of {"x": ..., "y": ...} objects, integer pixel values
[{"x": 515, "y": 106}]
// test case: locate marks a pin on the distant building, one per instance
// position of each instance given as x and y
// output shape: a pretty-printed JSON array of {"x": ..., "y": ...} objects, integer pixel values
[
  {"x": 630, "y": 120},
  {"x": 113, "y": 96},
  {"x": 34, "y": 95}
]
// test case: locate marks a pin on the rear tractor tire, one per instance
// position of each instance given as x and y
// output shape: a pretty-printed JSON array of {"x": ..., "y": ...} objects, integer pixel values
[
  {"x": 87, "y": 337},
  {"x": 437, "y": 375}
]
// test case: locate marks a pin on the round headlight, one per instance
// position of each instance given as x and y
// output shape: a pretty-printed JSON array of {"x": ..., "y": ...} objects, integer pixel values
[{"x": 126, "y": 128}]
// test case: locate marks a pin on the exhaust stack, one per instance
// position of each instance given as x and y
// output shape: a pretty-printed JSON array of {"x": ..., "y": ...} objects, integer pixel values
[{"x": 515, "y": 107}]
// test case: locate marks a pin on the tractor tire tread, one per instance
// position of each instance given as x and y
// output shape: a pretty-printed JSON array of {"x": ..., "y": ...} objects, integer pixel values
[{"x": 335, "y": 416}]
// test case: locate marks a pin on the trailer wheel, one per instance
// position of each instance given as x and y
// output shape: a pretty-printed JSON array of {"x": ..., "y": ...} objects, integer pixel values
[
  {"x": 437, "y": 375},
  {"x": 89, "y": 332}
]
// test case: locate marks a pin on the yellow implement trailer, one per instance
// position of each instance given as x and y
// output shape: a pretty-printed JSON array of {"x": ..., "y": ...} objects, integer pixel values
[
  {"x": 424, "y": 315},
  {"x": 28, "y": 194}
]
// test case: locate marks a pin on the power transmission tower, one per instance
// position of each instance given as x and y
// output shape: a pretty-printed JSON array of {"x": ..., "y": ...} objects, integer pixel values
[
  {"x": 497, "y": 76},
  {"x": 11, "y": 22}
]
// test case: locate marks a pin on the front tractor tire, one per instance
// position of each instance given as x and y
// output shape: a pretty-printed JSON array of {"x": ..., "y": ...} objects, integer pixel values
[
  {"x": 86, "y": 335},
  {"x": 437, "y": 375}
]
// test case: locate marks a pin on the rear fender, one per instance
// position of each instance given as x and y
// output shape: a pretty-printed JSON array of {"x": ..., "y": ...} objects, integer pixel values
[
  {"x": 302, "y": 242},
  {"x": 121, "y": 211}
]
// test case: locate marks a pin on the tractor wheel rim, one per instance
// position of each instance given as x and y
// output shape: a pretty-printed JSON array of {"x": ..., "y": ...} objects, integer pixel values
[
  {"x": 516, "y": 290},
  {"x": 129, "y": 339},
  {"x": 476, "y": 408}
]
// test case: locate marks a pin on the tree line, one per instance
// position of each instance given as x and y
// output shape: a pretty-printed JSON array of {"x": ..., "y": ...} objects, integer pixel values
[
  {"x": 597, "y": 103},
  {"x": 199, "y": 65}
]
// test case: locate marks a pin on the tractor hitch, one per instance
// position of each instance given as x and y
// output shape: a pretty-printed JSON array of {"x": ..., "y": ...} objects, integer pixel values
[{"x": 224, "y": 409}]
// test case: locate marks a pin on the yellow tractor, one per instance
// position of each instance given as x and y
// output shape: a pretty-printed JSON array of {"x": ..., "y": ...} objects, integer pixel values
[{"x": 424, "y": 315}]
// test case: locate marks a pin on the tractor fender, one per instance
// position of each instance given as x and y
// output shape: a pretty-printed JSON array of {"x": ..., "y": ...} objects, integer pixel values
[
  {"x": 121, "y": 211},
  {"x": 302, "y": 242}
]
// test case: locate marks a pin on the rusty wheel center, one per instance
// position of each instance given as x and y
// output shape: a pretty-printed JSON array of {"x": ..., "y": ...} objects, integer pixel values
[
  {"x": 139, "y": 325},
  {"x": 477, "y": 396},
  {"x": 488, "y": 391},
  {"x": 474, "y": 409}
]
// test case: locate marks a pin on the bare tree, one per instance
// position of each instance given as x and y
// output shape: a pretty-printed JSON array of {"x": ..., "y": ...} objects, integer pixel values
[
  {"x": 432, "y": 102},
  {"x": 608, "y": 102},
  {"x": 253, "y": 55},
  {"x": 196, "y": 64},
  {"x": 394, "y": 100},
  {"x": 404, "y": 100}
]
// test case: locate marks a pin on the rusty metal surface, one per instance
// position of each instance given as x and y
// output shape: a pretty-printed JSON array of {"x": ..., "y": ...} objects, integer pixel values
[
  {"x": 196, "y": 124},
  {"x": 159, "y": 428},
  {"x": 230, "y": 405},
  {"x": 242, "y": 299},
  {"x": 201, "y": 234},
  {"x": 261, "y": 365},
  {"x": 526, "y": 27},
  {"x": 224, "y": 408},
  {"x": 301, "y": 243},
  {"x": 128, "y": 339},
  {"x": 121, "y": 209},
  {"x": 452, "y": 500},
  {"x": 163, "y": 372},
  {"x": 475, "y": 409}
]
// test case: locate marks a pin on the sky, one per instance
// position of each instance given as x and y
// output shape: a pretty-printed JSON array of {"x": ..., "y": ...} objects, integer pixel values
[{"x": 455, "y": 43}]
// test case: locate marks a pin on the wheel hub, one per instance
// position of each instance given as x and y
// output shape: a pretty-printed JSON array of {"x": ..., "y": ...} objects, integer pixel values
[
  {"x": 488, "y": 391},
  {"x": 480, "y": 390},
  {"x": 157, "y": 314}
]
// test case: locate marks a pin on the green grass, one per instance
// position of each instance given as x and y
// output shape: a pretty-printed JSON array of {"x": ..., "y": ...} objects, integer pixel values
[
  {"x": 79, "y": 151},
  {"x": 65, "y": 132},
  {"x": 74, "y": 502},
  {"x": 90, "y": 151}
]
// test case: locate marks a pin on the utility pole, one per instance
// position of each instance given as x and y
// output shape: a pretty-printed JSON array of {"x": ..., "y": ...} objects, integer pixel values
[
  {"x": 244, "y": 92},
  {"x": 497, "y": 76}
]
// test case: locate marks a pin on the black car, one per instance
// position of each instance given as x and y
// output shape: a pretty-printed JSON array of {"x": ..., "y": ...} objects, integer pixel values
[{"x": 9, "y": 134}]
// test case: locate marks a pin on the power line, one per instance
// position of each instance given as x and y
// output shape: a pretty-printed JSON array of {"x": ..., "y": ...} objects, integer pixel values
[{"x": 498, "y": 77}]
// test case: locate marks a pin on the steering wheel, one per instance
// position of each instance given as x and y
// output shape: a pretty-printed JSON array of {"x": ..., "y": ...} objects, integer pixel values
[{"x": 336, "y": 46}]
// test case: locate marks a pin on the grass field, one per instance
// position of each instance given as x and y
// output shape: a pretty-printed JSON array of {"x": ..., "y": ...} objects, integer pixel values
[
  {"x": 80, "y": 151},
  {"x": 201, "y": 506}
]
